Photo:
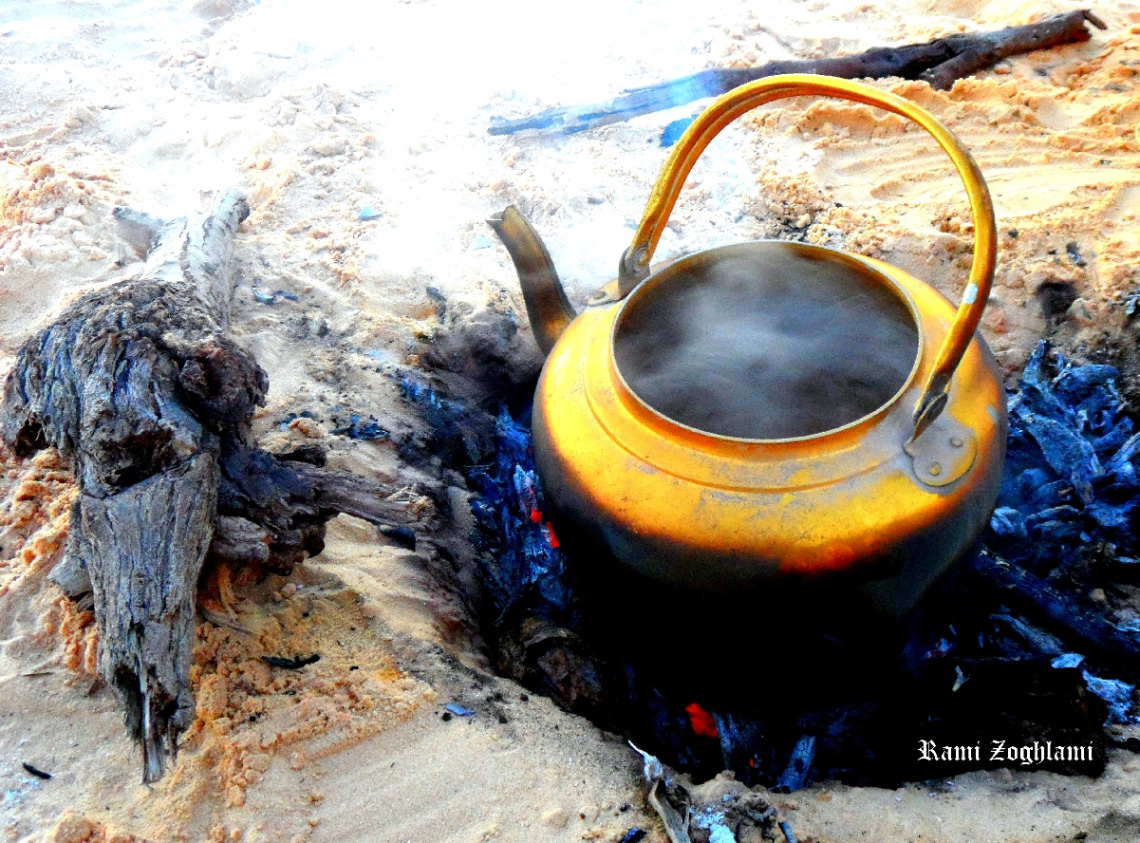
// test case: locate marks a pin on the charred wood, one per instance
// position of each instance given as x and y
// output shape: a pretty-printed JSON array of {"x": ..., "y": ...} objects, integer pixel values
[{"x": 1082, "y": 628}]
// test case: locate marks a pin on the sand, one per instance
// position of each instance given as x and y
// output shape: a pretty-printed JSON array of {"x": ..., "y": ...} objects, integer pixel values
[{"x": 320, "y": 112}]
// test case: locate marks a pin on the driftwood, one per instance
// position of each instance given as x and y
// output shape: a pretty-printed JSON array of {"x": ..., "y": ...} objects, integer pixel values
[
  {"x": 939, "y": 62},
  {"x": 139, "y": 384}
]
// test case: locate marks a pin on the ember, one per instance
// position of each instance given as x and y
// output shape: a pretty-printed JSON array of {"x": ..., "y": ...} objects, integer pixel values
[
  {"x": 702, "y": 722},
  {"x": 1029, "y": 650}
]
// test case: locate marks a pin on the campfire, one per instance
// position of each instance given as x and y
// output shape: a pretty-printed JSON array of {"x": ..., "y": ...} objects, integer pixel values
[{"x": 1021, "y": 662}]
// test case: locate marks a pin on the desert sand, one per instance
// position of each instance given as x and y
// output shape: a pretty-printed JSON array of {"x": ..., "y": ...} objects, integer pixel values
[{"x": 358, "y": 132}]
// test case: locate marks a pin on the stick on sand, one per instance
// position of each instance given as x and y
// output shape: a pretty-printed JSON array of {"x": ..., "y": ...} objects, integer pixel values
[{"x": 939, "y": 62}]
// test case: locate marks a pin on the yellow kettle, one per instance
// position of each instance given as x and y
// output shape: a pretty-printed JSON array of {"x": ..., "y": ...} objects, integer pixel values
[{"x": 768, "y": 414}]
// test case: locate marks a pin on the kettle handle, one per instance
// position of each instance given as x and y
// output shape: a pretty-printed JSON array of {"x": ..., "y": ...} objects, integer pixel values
[{"x": 635, "y": 261}]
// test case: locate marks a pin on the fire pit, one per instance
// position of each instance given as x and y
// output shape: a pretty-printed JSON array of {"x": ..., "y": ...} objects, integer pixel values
[{"x": 996, "y": 671}]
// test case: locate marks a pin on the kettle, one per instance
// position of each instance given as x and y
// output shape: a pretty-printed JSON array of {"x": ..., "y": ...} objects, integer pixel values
[{"x": 768, "y": 417}]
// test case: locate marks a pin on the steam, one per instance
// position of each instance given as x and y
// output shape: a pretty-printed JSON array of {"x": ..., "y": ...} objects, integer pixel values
[{"x": 766, "y": 343}]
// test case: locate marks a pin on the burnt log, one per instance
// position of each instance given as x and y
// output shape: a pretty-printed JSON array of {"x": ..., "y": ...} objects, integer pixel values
[
  {"x": 139, "y": 385},
  {"x": 940, "y": 62},
  {"x": 1083, "y": 628}
]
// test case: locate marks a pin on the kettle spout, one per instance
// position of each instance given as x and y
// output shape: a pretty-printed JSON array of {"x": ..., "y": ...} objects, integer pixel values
[{"x": 546, "y": 304}]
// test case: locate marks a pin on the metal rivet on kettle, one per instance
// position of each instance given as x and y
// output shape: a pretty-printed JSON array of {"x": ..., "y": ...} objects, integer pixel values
[
  {"x": 956, "y": 441},
  {"x": 935, "y": 469}
]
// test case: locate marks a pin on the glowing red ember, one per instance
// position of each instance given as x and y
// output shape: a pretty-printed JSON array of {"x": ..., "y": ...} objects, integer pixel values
[{"x": 701, "y": 721}]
